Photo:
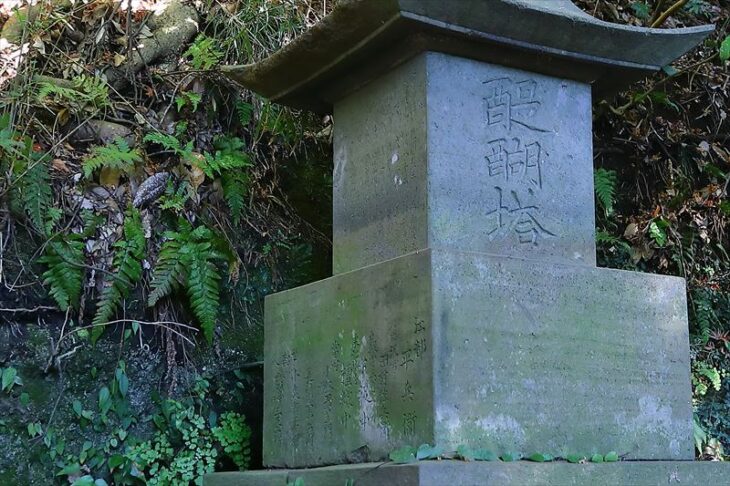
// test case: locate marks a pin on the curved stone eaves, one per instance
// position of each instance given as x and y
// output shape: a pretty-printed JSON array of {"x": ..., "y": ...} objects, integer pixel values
[{"x": 362, "y": 39}]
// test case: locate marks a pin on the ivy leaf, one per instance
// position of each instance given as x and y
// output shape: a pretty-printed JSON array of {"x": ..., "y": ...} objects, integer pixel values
[
  {"x": 510, "y": 456},
  {"x": 86, "y": 480},
  {"x": 78, "y": 409},
  {"x": 537, "y": 457},
  {"x": 611, "y": 457},
  {"x": 69, "y": 470},
  {"x": 426, "y": 451},
  {"x": 105, "y": 402},
  {"x": 403, "y": 455},
  {"x": 670, "y": 70},
  {"x": 123, "y": 382},
  {"x": 465, "y": 453},
  {"x": 575, "y": 458},
  {"x": 725, "y": 49},
  {"x": 657, "y": 233},
  {"x": 641, "y": 9},
  {"x": 8, "y": 379},
  {"x": 484, "y": 455}
]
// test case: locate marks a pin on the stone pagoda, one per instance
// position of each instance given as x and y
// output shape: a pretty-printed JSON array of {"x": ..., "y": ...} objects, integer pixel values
[{"x": 466, "y": 307}]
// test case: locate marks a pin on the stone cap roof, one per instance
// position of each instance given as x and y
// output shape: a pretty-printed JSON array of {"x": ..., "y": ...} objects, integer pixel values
[{"x": 362, "y": 39}]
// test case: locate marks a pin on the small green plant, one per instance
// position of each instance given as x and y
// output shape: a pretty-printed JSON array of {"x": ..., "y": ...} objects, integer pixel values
[
  {"x": 658, "y": 233},
  {"x": 641, "y": 10},
  {"x": 64, "y": 257},
  {"x": 203, "y": 53},
  {"x": 705, "y": 376},
  {"x": 229, "y": 155},
  {"x": 172, "y": 144},
  {"x": 234, "y": 436},
  {"x": 188, "y": 98},
  {"x": 81, "y": 92},
  {"x": 725, "y": 49},
  {"x": 605, "y": 182},
  {"x": 188, "y": 259},
  {"x": 117, "y": 155},
  {"x": 9, "y": 378}
]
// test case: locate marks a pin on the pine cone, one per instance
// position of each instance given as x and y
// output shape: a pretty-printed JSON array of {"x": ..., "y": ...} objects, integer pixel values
[{"x": 152, "y": 188}]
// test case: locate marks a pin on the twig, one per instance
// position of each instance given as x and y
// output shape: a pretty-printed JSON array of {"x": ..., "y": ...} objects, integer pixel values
[
  {"x": 657, "y": 11},
  {"x": 663, "y": 17},
  {"x": 163, "y": 324},
  {"x": 34, "y": 309}
]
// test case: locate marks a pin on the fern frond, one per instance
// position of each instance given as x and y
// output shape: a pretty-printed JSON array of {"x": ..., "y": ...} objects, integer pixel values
[
  {"x": 127, "y": 268},
  {"x": 188, "y": 257},
  {"x": 169, "y": 271},
  {"x": 605, "y": 186},
  {"x": 203, "y": 291},
  {"x": 48, "y": 92},
  {"x": 228, "y": 155},
  {"x": 37, "y": 194},
  {"x": 605, "y": 238},
  {"x": 9, "y": 143},
  {"x": 203, "y": 53},
  {"x": 235, "y": 189},
  {"x": 244, "y": 111},
  {"x": 95, "y": 90},
  {"x": 83, "y": 90},
  {"x": 171, "y": 143},
  {"x": 65, "y": 274},
  {"x": 116, "y": 155}
]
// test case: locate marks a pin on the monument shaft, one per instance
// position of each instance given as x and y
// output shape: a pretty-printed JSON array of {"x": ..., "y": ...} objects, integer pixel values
[{"x": 446, "y": 152}]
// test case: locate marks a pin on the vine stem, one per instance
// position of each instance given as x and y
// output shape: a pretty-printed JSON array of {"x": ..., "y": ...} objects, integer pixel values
[
  {"x": 164, "y": 324},
  {"x": 663, "y": 17}
]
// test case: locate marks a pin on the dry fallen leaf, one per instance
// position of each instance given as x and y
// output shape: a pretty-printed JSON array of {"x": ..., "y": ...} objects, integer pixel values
[
  {"x": 109, "y": 177},
  {"x": 60, "y": 166}
]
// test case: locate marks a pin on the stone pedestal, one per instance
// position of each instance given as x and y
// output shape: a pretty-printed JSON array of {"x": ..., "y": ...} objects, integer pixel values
[
  {"x": 451, "y": 348},
  {"x": 466, "y": 306},
  {"x": 432, "y": 473}
]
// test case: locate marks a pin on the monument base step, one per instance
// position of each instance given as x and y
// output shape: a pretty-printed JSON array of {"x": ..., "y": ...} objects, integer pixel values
[{"x": 440, "y": 473}]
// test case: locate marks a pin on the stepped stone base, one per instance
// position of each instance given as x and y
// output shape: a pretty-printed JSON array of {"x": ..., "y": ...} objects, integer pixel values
[
  {"x": 439, "y": 473},
  {"x": 450, "y": 348}
]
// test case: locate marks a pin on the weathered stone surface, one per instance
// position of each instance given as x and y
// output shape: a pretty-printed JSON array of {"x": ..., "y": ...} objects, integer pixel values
[
  {"x": 648, "y": 473},
  {"x": 464, "y": 348},
  {"x": 445, "y": 152},
  {"x": 362, "y": 39}
]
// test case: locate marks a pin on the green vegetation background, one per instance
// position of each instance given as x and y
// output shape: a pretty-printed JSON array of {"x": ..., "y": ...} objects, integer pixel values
[{"x": 147, "y": 206}]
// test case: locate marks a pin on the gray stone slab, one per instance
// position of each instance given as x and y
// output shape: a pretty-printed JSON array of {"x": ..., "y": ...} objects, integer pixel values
[
  {"x": 445, "y": 152},
  {"x": 432, "y": 473},
  {"x": 361, "y": 39},
  {"x": 465, "y": 348}
]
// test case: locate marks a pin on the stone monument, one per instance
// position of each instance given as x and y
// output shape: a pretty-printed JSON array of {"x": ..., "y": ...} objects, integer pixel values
[{"x": 466, "y": 307}]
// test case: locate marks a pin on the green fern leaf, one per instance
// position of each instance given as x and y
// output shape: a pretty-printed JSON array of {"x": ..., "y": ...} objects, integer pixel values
[
  {"x": 169, "y": 271},
  {"x": 203, "y": 291},
  {"x": 605, "y": 186},
  {"x": 116, "y": 155},
  {"x": 127, "y": 271},
  {"x": 65, "y": 275},
  {"x": 203, "y": 53},
  {"x": 37, "y": 194},
  {"x": 235, "y": 189},
  {"x": 169, "y": 142},
  {"x": 82, "y": 91},
  {"x": 173, "y": 144},
  {"x": 229, "y": 155}
]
